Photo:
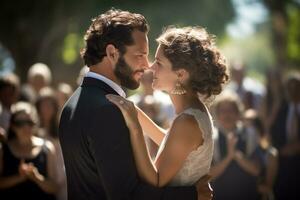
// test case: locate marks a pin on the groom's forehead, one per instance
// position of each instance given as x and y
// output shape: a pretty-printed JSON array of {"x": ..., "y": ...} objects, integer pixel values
[
  {"x": 140, "y": 38},
  {"x": 140, "y": 44},
  {"x": 137, "y": 49}
]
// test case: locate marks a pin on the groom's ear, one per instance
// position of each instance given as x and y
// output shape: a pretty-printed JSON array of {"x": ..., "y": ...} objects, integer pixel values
[{"x": 112, "y": 53}]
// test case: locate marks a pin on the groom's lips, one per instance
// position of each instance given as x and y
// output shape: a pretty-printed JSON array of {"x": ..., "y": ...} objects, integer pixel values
[
  {"x": 141, "y": 72},
  {"x": 138, "y": 74}
]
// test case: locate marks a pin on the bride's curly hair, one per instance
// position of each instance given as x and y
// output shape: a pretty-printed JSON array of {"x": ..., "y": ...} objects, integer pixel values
[{"x": 193, "y": 49}]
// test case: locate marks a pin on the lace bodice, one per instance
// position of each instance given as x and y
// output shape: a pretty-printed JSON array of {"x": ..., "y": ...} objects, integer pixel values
[{"x": 198, "y": 162}]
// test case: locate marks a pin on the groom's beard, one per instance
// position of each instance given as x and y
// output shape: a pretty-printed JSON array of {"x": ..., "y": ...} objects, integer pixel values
[{"x": 125, "y": 74}]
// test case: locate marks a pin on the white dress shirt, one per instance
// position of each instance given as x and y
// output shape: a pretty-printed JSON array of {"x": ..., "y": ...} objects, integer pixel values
[
  {"x": 292, "y": 135},
  {"x": 109, "y": 82}
]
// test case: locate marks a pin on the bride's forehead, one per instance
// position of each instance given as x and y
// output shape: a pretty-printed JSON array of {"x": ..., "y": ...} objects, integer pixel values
[
  {"x": 160, "y": 56},
  {"x": 159, "y": 53}
]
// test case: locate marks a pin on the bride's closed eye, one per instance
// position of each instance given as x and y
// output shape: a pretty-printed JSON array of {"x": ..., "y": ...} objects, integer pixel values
[{"x": 157, "y": 63}]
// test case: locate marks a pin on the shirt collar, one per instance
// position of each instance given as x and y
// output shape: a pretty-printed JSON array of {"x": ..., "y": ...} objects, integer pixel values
[{"x": 109, "y": 82}]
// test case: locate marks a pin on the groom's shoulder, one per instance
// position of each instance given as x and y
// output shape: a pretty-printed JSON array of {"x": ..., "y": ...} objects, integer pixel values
[
  {"x": 102, "y": 106},
  {"x": 93, "y": 100}
]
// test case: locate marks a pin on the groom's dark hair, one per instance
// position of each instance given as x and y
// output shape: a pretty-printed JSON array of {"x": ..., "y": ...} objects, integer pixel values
[{"x": 113, "y": 27}]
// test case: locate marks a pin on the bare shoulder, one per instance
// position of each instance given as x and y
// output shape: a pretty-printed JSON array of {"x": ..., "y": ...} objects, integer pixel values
[
  {"x": 186, "y": 127},
  {"x": 41, "y": 141},
  {"x": 185, "y": 121},
  {"x": 50, "y": 146}
]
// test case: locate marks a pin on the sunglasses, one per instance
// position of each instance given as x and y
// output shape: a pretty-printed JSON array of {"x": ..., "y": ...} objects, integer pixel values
[{"x": 21, "y": 123}]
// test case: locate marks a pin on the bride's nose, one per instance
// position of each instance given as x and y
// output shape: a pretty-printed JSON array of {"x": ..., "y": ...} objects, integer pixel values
[{"x": 152, "y": 66}]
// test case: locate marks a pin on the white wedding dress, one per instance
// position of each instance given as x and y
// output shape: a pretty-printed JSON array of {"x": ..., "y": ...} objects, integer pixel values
[{"x": 198, "y": 162}]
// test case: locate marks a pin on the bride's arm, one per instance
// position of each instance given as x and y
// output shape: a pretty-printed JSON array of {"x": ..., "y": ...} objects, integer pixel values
[
  {"x": 182, "y": 140},
  {"x": 151, "y": 129},
  {"x": 184, "y": 137},
  {"x": 180, "y": 143},
  {"x": 147, "y": 171}
]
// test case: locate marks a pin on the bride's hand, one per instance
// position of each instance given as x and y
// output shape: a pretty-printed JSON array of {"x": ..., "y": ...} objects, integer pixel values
[{"x": 127, "y": 108}]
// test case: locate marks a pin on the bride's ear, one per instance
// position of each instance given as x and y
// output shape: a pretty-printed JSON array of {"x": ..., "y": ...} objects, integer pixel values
[
  {"x": 112, "y": 53},
  {"x": 183, "y": 75}
]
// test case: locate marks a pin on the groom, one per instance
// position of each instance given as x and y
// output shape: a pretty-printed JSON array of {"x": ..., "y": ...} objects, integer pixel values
[{"x": 93, "y": 134}]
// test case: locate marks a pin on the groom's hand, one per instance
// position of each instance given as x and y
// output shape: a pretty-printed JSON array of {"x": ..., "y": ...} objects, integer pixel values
[{"x": 204, "y": 189}]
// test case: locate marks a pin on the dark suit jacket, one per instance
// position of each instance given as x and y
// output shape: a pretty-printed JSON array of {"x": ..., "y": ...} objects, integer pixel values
[{"x": 97, "y": 151}]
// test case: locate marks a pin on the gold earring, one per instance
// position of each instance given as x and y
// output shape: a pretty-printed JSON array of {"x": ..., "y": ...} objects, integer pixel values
[{"x": 179, "y": 89}]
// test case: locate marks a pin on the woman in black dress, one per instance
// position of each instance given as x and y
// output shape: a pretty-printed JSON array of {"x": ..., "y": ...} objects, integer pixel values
[{"x": 27, "y": 162}]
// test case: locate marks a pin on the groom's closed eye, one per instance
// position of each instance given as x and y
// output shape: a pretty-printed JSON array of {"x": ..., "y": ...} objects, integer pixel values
[{"x": 140, "y": 55}]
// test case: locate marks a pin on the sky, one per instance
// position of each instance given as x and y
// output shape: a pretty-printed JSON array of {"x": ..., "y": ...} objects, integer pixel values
[{"x": 248, "y": 15}]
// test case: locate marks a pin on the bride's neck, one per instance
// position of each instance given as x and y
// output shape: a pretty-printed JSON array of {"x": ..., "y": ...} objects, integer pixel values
[{"x": 182, "y": 102}]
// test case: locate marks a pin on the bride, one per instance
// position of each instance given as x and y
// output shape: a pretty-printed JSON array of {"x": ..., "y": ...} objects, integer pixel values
[{"x": 187, "y": 65}]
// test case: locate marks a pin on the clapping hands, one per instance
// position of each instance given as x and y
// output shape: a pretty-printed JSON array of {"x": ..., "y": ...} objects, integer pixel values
[
  {"x": 231, "y": 144},
  {"x": 28, "y": 171}
]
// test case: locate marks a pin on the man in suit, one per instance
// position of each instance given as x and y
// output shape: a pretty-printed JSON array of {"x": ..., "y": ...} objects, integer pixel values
[
  {"x": 285, "y": 135},
  {"x": 93, "y": 134}
]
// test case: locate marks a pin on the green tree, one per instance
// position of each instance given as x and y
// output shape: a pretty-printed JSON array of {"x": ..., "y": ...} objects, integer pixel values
[
  {"x": 285, "y": 30},
  {"x": 51, "y": 31}
]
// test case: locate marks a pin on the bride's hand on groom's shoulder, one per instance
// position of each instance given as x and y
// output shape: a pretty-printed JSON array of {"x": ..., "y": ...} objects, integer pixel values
[
  {"x": 127, "y": 108},
  {"x": 205, "y": 192}
]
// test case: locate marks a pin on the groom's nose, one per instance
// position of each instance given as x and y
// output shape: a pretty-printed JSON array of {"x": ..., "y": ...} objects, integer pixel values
[{"x": 145, "y": 64}]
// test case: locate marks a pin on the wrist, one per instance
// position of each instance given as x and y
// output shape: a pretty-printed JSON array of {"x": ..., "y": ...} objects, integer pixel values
[
  {"x": 135, "y": 128},
  {"x": 238, "y": 155},
  {"x": 39, "y": 178},
  {"x": 230, "y": 156},
  {"x": 21, "y": 178}
]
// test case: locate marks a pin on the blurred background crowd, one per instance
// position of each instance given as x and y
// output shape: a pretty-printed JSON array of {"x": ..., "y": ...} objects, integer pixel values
[{"x": 257, "y": 117}]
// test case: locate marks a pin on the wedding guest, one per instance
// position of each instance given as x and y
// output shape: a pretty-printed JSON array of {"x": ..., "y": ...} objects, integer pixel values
[
  {"x": 285, "y": 134},
  {"x": 63, "y": 93},
  {"x": 268, "y": 156},
  {"x": 27, "y": 162},
  {"x": 9, "y": 93},
  {"x": 235, "y": 166},
  {"x": 47, "y": 108},
  {"x": 39, "y": 76}
]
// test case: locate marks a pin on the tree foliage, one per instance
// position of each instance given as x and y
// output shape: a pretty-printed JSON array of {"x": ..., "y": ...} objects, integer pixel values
[
  {"x": 285, "y": 31},
  {"x": 50, "y": 31}
]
